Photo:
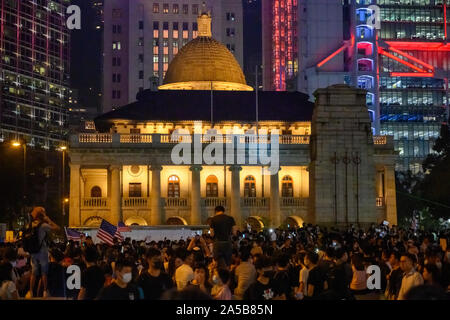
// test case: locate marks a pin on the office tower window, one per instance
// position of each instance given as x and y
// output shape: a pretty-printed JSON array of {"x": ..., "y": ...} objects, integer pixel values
[
  {"x": 165, "y": 8},
  {"x": 175, "y": 9},
  {"x": 141, "y": 74},
  {"x": 116, "y": 77},
  {"x": 155, "y": 62},
  {"x": 230, "y": 16},
  {"x": 155, "y": 29},
  {"x": 155, "y": 46},
  {"x": 175, "y": 47},
  {"x": 165, "y": 30},
  {"x": 230, "y": 32},
  {"x": 116, "y": 94},
  {"x": 117, "y": 29},
  {"x": 141, "y": 42},
  {"x": 195, "y": 9},
  {"x": 185, "y": 30},
  {"x": 116, "y": 62},
  {"x": 231, "y": 47},
  {"x": 117, "y": 13},
  {"x": 185, "y": 8},
  {"x": 141, "y": 58},
  {"x": 175, "y": 31},
  {"x": 156, "y": 8},
  {"x": 141, "y": 25},
  {"x": 117, "y": 45},
  {"x": 166, "y": 46},
  {"x": 194, "y": 30}
]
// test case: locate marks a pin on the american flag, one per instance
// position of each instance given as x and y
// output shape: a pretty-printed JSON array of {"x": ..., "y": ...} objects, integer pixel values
[
  {"x": 121, "y": 227},
  {"x": 72, "y": 234},
  {"x": 107, "y": 232},
  {"x": 119, "y": 236}
]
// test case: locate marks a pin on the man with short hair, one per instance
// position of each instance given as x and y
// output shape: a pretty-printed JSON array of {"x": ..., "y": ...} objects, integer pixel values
[
  {"x": 222, "y": 228},
  {"x": 93, "y": 278},
  {"x": 154, "y": 281},
  {"x": 411, "y": 278},
  {"x": 121, "y": 288},
  {"x": 245, "y": 273}
]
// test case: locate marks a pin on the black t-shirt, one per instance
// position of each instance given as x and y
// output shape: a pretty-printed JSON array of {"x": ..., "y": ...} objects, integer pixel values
[
  {"x": 282, "y": 283},
  {"x": 338, "y": 281},
  {"x": 114, "y": 292},
  {"x": 316, "y": 279},
  {"x": 259, "y": 291},
  {"x": 154, "y": 287},
  {"x": 56, "y": 280},
  {"x": 92, "y": 279},
  {"x": 222, "y": 226}
]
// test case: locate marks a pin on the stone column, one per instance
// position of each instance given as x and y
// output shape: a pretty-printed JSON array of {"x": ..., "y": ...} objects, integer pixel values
[
  {"x": 275, "y": 207},
  {"x": 236, "y": 194},
  {"x": 155, "y": 197},
  {"x": 390, "y": 195},
  {"x": 75, "y": 199},
  {"x": 196, "y": 206},
  {"x": 115, "y": 199}
]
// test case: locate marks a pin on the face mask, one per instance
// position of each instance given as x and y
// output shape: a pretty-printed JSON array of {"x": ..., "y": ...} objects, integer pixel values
[
  {"x": 158, "y": 264},
  {"x": 14, "y": 264},
  {"x": 126, "y": 277},
  {"x": 215, "y": 279},
  {"x": 269, "y": 274}
]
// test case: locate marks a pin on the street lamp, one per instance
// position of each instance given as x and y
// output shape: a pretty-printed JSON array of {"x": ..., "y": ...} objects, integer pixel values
[
  {"x": 18, "y": 144},
  {"x": 63, "y": 167}
]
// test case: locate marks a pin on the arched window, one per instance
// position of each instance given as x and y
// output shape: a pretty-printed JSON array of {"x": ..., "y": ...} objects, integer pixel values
[
  {"x": 173, "y": 190},
  {"x": 250, "y": 187},
  {"x": 96, "y": 192},
  {"x": 212, "y": 187},
  {"x": 287, "y": 187}
]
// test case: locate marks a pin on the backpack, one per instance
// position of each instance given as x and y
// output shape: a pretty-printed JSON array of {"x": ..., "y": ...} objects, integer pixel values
[{"x": 30, "y": 239}]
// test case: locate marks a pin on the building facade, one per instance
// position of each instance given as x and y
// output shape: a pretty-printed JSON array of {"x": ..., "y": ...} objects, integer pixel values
[
  {"x": 142, "y": 37},
  {"x": 34, "y": 72},
  {"x": 325, "y": 164},
  {"x": 400, "y": 57}
]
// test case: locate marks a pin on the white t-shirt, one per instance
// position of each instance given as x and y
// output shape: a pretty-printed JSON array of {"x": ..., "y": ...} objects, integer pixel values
[
  {"x": 183, "y": 275},
  {"x": 303, "y": 277}
]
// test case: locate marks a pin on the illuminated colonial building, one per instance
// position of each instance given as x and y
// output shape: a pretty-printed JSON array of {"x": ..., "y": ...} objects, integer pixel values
[{"x": 333, "y": 171}]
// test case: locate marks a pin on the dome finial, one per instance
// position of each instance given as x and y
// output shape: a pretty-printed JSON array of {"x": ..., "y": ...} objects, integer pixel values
[{"x": 204, "y": 23}]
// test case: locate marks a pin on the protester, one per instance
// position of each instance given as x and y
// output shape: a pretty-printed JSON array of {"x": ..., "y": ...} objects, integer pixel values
[
  {"x": 303, "y": 263},
  {"x": 411, "y": 278},
  {"x": 39, "y": 260},
  {"x": 222, "y": 228}
]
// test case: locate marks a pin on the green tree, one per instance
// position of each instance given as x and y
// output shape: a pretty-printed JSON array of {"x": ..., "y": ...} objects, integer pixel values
[{"x": 435, "y": 187}]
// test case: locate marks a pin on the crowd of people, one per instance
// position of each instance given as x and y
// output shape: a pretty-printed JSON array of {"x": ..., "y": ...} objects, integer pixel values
[{"x": 307, "y": 263}]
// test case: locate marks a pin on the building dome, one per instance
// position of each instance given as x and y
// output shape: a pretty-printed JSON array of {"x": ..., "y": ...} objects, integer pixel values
[{"x": 204, "y": 64}]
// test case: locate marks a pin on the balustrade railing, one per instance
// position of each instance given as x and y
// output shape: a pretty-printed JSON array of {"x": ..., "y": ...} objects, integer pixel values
[
  {"x": 294, "y": 202},
  {"x": 255, "y": 202},
  {"x": 95, "y": 202},
  {"x": 175, "y": 202},
  {"x": 214, "y": 202},
  {"x": 134, "y": 202}
]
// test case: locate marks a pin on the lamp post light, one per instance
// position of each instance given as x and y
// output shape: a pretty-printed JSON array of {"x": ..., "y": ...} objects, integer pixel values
[
  {"x": 18, "y": 144},
  {"x": 63, "y": 149}
]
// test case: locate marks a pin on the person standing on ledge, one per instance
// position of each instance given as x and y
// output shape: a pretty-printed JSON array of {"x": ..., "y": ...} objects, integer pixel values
[{"x": 222, "y": 228}]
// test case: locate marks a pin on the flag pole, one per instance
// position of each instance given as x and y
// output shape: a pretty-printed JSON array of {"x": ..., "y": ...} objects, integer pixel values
[
  {"x": 212, "y": 106},
  {"x": 257, "y": 102}
]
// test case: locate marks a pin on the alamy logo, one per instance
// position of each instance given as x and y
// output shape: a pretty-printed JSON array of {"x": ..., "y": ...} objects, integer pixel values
[
  {"x": 374, "y": 277},
  {"x": 374, "y": 19},
  {"x": 74, "y": 277},
  {"x": 74, "y": 20},
  {"x": 227, "y": 148}
]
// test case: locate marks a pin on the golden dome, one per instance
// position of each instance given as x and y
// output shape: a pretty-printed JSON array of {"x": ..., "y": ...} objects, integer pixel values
[{"x": 204, "y": 64}]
